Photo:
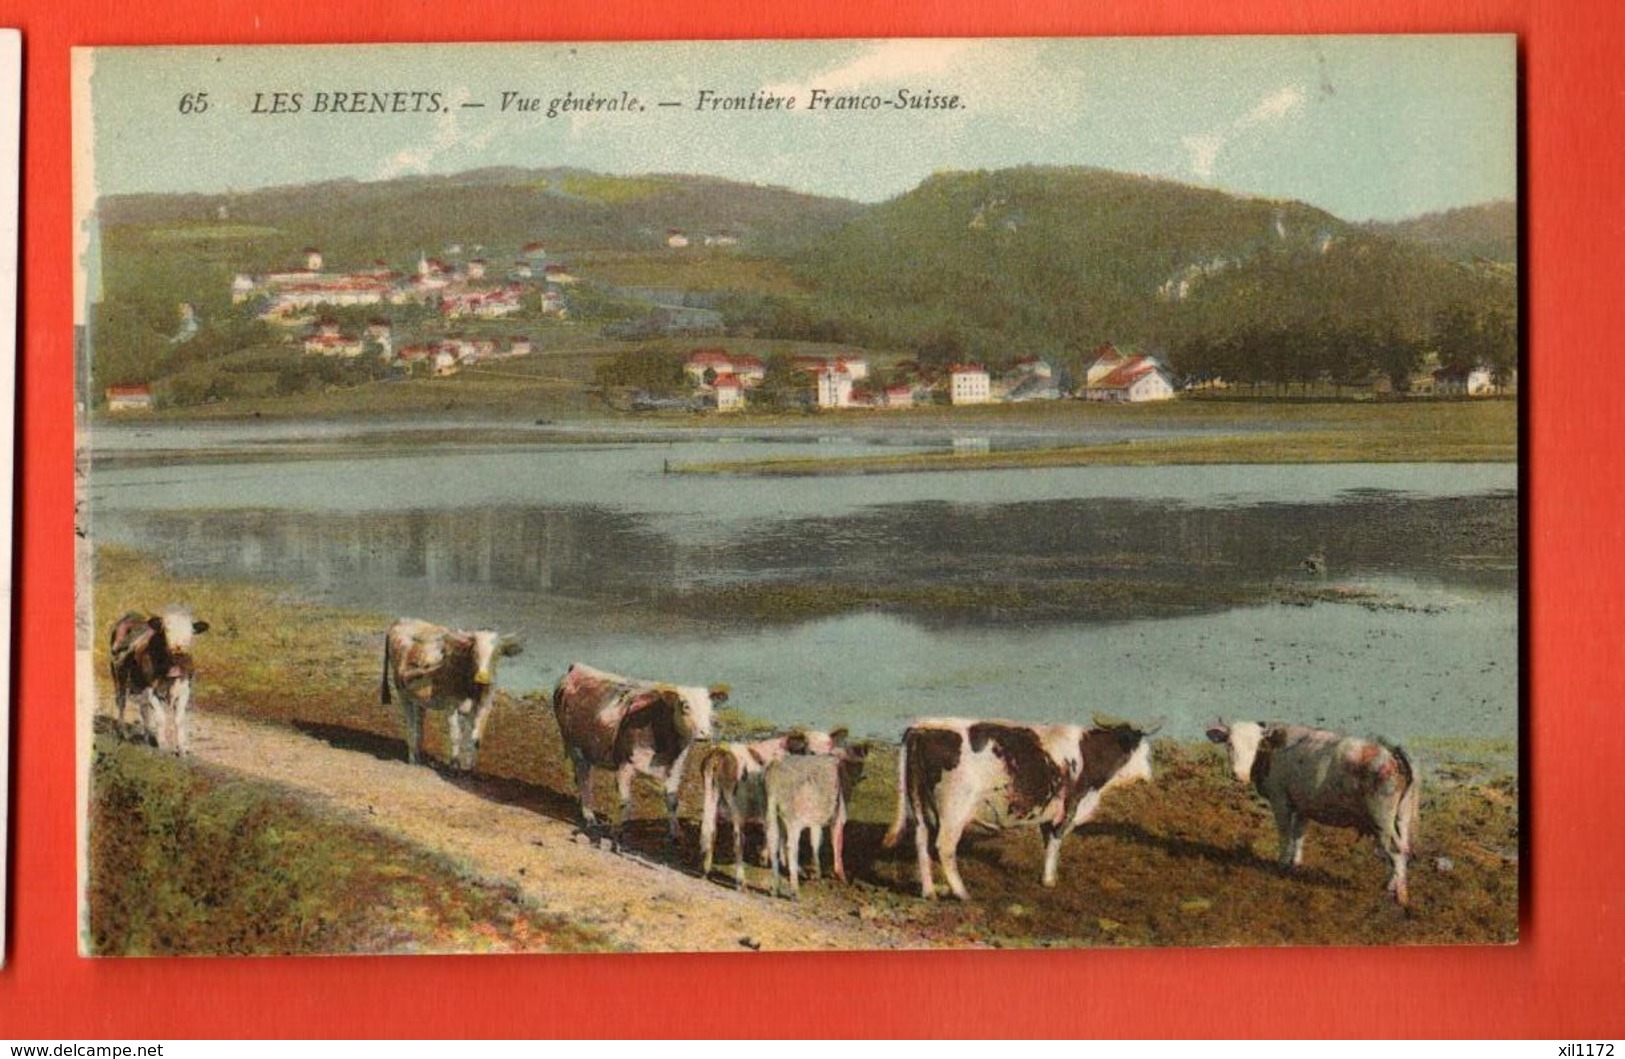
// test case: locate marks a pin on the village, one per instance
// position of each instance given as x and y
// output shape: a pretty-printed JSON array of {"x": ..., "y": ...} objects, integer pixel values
[{"x": 439, "y": 316}]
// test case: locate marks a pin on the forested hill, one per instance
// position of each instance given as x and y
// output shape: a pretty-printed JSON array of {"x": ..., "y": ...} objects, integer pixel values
[
  {"x": 563, "y": 209},
  {"x": 1485, "y": 232},
  {"x": 1053, "y": 261}
]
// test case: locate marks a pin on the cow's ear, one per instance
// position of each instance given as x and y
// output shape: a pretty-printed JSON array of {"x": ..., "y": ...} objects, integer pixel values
[
  {"x": 1219, "y": 733},
  {"x": 200, "y": 626},
  {"x": 719, "y": 694},
  {"x": 156, "y": 623},
  {"x": 510, "y": 648},
  {"x": 796, "y": 742},
  {"x": 838, "y": 737}
]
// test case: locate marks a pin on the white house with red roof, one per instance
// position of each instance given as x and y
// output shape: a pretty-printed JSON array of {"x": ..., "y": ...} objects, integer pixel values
[
  {"x": 136, "y": 397},
  {"x": 833, "y": 386},
  {"x": 900, "y": 396},
  {"x": 730, "y": 392},
  {"x": 1107, "y": 360},
  {"x": 1136, "y": 379},
  {"x": 700, "y": 361},
  {"x": 969, "y": 384}
]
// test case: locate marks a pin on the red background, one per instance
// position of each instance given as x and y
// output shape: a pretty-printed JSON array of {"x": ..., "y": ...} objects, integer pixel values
[{"x": 1565, "y": 979}]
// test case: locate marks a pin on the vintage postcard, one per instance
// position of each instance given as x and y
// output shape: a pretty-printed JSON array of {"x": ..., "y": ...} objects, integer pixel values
[{"x": 799, "y": 495}]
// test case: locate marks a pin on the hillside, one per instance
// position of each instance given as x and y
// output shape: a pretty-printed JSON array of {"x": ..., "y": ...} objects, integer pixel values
[
  {"x": 990, "y": 266},
  {"x": 1485, "y": 232},
  {"x": 1042, "y": 257},
  {"x": 1055, "y": 261},
  {"x": 497, "y": 209}
]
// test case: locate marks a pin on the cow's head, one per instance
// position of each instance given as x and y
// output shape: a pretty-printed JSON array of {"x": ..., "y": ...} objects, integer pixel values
[
  {"x": 1240, "y": 739},
  {"x": 174, "y": 629},
  {"x": 692, "y": 709},
  {"x": 852, "y": 760},
  {"x": 802, "y": 741},
  {"x": 486, "y": 648}
]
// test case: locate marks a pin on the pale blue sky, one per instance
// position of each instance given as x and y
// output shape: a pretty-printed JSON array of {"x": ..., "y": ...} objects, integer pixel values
[{"x": 1366, "y": 127}]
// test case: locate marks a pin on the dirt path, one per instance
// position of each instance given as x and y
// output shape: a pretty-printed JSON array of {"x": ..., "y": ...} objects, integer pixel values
[{"x": 636, "y": 904}]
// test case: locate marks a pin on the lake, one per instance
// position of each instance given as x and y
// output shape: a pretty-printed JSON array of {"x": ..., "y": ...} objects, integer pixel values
[{"x": 1176, "y": 592}]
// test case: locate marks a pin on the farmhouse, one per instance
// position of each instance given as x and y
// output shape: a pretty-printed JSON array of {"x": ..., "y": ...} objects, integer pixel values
[
  {"x": 1107, "y": 360},
  {"x": 1476, "y": 382},
  {"x": 133, "y": 398},
  {"x": 833, "y": 386},
  {"x": 730, "y": 393},
  {"x": 969, "y": 384},
  {"x": 1136, "y": 379}
]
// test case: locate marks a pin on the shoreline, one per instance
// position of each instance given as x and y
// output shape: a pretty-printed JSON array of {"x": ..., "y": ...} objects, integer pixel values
[{"x": 1185, "y": 860}]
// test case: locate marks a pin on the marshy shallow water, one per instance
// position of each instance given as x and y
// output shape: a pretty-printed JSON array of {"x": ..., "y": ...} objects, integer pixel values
[{"x": 1163, "y": 591}]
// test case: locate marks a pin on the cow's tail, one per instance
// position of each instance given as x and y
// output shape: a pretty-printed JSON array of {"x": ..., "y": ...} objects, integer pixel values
[
  {"x": 383, "y": 684},
  {"x": 895, "y": 832},
  {"x": 1407, "y": 814}
]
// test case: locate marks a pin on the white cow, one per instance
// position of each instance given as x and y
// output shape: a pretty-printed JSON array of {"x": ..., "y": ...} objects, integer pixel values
[
  {"x": 731, "y": 779},
  {"x": 632, "y": 727},
  {"x": 151, "y": 657},
  {"x": 808, "y": 792},
  {"x": 953, "y": 772},
  {"x": 1312, "y": 774},
  {"x": 431, "y": 667}
]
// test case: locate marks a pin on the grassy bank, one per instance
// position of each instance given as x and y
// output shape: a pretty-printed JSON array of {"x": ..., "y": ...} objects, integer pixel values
[
  {"x": 1185, "y": 860},
  {"x": 189, "y": 859},
  {"x": 1264, "y": 432}
]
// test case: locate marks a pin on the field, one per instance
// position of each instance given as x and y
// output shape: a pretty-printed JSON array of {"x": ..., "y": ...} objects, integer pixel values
[
  {"x": 1234, "y": 431},
  {"x": 1186, "y": 860}
]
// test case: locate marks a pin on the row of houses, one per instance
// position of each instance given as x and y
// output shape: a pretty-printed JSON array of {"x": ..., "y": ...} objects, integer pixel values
[
  {"x": 838, "y": 381},
  {"x": 457, "y": 289},
  {"x": 677, "y": 239}
]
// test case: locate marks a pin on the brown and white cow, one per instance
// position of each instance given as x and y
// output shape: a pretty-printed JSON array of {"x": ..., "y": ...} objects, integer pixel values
[
  {"x": 731, "y": 779},
  {"x": 631, "y": 727},
  {"x": 431, "y": 667},
  {"x": 152, "y": 659},
  {"x": 998, "y": 774},
  {"x": 809, "y": 792},
  {"x": 1313, "y": 774}
]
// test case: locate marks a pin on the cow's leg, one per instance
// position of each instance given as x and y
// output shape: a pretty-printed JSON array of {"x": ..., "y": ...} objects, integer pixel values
[
  {"x": 412, "y": 714},
  {"x": 1285, "y": 826},
  {"x": 950, "y": 829},
  {"x": 1299, "y": 823},
  {"x": 180, "y": 698},
  {"x": 739, "y": 849},
  {"x": 121, "y": 696},
  {"x": 1055, "y": 834},
  {"x": 482, "y": 716},
  {"x": 772, "y": 829},
  {"x": 815, "y": 836},
  {"x": 792, "y": 853},
  {"x": 672, "y": 785},
  {"x": 583, "y": 771},
  {"x": 153, "y": 717},
  {"x": 456, "y": 732},
  {"x": 623, "y": 787},
  {"x": 710, "y": 809},
  {"x": 922, "y": 857},
  {"x": 837, "y": 839}
]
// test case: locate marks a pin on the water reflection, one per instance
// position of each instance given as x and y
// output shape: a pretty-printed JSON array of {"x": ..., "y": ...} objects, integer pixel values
[{"x": 603, "y": 554}]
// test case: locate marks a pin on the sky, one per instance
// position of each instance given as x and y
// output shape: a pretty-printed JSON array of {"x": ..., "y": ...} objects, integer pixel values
[{"x": 1364, "y": 127}]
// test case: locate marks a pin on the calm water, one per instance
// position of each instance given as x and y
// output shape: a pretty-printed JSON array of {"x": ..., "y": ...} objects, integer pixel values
[{"x": 571, "y": 545}]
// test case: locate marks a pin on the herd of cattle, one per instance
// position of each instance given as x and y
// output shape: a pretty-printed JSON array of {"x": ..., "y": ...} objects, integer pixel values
[{"x": 950, "y": 773}]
